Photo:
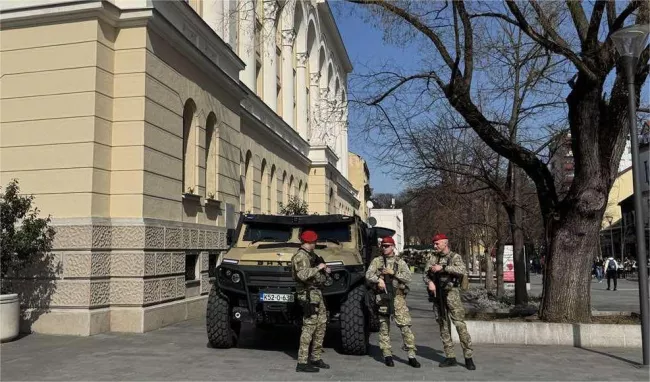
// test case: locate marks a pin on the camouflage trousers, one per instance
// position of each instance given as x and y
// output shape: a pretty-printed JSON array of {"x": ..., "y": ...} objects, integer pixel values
[
  {"x": 402, "y": 318},
  {"x": 313, "y": 331},
  {"x": 456, "y": 314}
]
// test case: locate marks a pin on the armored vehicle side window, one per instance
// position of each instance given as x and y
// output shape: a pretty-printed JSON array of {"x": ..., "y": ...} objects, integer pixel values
[
  {"x": 267, "y": 232},
  {"x": 336, "y": 232}
]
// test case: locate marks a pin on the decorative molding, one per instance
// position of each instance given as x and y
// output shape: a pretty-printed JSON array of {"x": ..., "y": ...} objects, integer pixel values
[
  {"x": 314, "y": 79},
  {"x": 301, "y": 60},
  {"x": 162, "y": 236},
  {"x": 288, "y": 37},
  {"x": 274, "y": 126},
  {"x": 271, "y": 8}
]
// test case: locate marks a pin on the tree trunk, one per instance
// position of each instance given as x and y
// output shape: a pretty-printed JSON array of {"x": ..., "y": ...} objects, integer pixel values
[
  {"x": 499, "y": 268},
  {"x": 567, "y": 276},
  {"x": 515, "y": 217},
  {"x": 489, "y": 271},
  {"x": 575, "y": 226}
]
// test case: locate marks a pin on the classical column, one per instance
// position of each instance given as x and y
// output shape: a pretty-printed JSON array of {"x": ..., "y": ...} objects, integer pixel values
[
  {"x": 269, "y": 54},
  {"x": 314, "y": 95},
  {"x": 344, "y": 140},
  {"x": 288, "y": 37},
  {"x": 325, "y": 123},
  {"x": 247, "y": 42},
  {"x": 302, "y": 119},
  {"x": 213, "y": 14}
]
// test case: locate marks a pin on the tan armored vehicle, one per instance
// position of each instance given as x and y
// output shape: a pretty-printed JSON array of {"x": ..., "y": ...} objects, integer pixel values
[{"x": 252, "y": 281}]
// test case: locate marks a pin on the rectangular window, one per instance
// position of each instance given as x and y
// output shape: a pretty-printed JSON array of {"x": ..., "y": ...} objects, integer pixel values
[
  {"x": 190, "y": 266},
  {"x": 647, "y": 176}
]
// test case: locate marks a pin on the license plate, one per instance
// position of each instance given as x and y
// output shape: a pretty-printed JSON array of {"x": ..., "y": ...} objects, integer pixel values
[{"x": 276, "y": 297}]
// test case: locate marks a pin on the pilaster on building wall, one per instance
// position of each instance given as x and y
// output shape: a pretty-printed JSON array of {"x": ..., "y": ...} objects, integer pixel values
[{"x": 146, "y": 128}]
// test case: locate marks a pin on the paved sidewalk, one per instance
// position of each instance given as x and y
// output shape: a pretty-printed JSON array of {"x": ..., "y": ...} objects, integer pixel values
[{"x": 180, "y": 352}]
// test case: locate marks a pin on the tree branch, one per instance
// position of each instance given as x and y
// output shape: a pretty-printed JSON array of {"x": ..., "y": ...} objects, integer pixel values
[
  {"x": 468, "y": 51},
  {"x": 594, "y": 25},
  {"x": 620, "y": 20},
  {"x": 549, "y": 44},
  {"x": 579, "y": 19}
]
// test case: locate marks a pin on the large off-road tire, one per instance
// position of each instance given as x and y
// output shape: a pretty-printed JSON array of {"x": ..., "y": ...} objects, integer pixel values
[
  {"x": 222, "y": 332},
  {"x": 354, "y": 331}
]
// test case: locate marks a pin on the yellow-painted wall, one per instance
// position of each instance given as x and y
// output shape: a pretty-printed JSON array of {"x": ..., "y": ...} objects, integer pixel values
[{"x": 621, "y": 189}]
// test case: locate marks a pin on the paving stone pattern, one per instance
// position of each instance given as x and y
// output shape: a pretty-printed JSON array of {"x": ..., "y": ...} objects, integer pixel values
[{"x": 180, "y": 352}]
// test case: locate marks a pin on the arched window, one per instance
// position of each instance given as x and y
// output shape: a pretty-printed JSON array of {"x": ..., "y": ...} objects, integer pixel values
[
  {"x": 264, "y": 192},
  {"x": 211, "y": 157},
  {"x": 273, "y": 208},
  {"x": 248, "y": 176},
  {"x": 299, "y": 194},
  {"x": 189, "y": 148},
  {"x": 285, "y": 189},
  {"x": 292, "y": 192}
]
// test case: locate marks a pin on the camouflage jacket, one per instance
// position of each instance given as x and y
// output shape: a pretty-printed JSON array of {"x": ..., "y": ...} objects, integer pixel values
[
  {"x": 452, "y": 264},
  {"x": 305, "y": 271},
  {"x": 402, "y": 276}
]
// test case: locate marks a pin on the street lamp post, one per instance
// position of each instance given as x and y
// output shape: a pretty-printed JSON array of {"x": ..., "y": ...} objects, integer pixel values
[{"x": 630, "y": 42}]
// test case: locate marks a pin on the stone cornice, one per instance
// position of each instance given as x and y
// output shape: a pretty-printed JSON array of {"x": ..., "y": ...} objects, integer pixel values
[
  {"x": 332, "y": 31},
  {"x": 274, "y": 127}
]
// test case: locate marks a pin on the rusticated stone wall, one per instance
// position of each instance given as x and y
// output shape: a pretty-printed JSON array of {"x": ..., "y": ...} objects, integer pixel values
[{"x": 137, "y": 265}]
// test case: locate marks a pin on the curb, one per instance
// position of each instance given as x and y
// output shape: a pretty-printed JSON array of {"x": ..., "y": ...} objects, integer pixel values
[{"x": 529, "y": 333}]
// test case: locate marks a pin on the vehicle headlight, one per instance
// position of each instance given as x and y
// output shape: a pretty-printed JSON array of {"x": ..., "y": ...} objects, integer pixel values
[
  {"x": 228, "y": 272},
  {"x": 236, "y": 278},
  {"x": 337, "y": 276}
]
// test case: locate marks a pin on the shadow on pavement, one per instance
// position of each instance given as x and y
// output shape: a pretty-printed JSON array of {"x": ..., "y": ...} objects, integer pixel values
[
  {"x": 633, "y": 363},
  {"x": 285, "y": 339}
]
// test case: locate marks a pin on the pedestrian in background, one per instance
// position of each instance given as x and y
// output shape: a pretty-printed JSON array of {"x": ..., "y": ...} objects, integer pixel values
[{"x": 611, "y": 267}]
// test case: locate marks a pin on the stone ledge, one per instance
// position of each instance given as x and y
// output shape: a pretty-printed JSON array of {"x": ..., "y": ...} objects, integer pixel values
[
  {"x": 76, "y": 322},
  {"x": 534, "y": 333}
]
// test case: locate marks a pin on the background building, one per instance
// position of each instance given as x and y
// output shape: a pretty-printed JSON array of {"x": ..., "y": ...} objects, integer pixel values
[
  {"x": 146, "y": 127},
  {"x": 359, "y": 176},
  {"x": 393, "y": 219},
  {"x": 618, "y": 235}
]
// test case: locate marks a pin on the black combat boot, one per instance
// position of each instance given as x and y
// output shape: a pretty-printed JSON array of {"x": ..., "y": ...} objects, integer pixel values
[
  {"x": 414, "y": 362},
  {"x": 307, "y": 368},
  {"x": 389, "y": 361},
  {"x": 319, "y": 364},
  {"x": 447, "y": 362},
  {"x": 469, "y": 364}
]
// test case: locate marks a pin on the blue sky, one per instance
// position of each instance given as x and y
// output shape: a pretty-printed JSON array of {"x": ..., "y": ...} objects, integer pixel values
[{"x": 368, "y": 51}]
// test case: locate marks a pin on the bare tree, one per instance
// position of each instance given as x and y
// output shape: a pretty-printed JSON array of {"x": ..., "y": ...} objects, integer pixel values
[{"x": 447, "y": 32}]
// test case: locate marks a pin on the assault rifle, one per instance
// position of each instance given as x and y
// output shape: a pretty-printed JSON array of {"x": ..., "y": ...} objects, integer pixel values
[
  {"x": 440, "y": 298},
  {"x": 390, "y": 291}
]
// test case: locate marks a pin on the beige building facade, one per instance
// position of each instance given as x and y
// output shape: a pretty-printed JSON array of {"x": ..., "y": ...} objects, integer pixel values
[
  {"x": 144, "y": 128},
  {"x": 359, "y": 176}
]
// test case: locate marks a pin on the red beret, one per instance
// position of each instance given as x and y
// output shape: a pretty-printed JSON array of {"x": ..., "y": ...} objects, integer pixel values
[
  {"x": 388, "y": 240},
  {"x": 440, "y": 236},
  {"x": 309, "y": 236}
]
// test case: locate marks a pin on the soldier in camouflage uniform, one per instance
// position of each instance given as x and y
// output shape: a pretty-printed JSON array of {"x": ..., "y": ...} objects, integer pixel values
[
  {"x": 390, "y": 265},
  {"x": 310, "y": 279},
  {"x": 452, "y": 268}
]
